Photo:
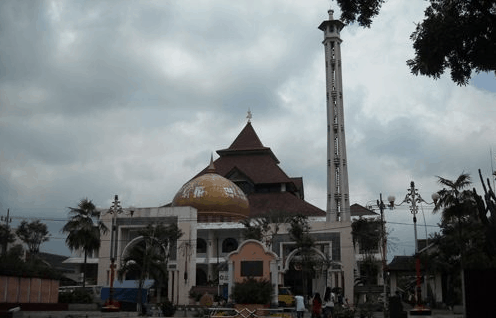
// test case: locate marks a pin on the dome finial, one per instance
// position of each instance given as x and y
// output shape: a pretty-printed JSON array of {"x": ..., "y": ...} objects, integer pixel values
[{"x": 211, "y": 167}]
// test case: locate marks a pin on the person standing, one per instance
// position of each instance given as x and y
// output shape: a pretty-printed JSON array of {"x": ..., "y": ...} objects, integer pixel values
[
  {"x": 300, "y": 306},
  {"x": 328, "y": 303},
  {"x": 316, "y": 306}
]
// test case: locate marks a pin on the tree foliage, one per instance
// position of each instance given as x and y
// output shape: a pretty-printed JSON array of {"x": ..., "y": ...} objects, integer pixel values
[
  {"x": 367, "y": 234},
  {"x": 83, "y": 230},
  {"x": 149, "y": 256},
  {"x": 252, "y": 291},
  {"x": 305, "y": 258},
  {"x": 13, "y": 264},
  {"x": 33, "y": 234},
  {"x": 459, "y": 35},
  {"x": 299, "y": 232},
  {"x": 487, "y": 214},
  {"x": 264, "y": 228},
  {"x": 6, "y": 237},
  {"x": 467, "y": 234}
]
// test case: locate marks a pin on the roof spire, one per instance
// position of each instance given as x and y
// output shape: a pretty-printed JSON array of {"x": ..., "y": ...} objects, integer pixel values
[
  {"x": 211, "y": 167},
  {"x": 249, "y": 115}
]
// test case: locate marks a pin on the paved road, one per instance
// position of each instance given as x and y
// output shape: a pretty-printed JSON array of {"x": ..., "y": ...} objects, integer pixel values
[{"x": 179, "y": 314}]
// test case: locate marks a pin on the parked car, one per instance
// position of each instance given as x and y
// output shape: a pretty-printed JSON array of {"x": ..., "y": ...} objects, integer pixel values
[{"x": 286, "y": 297}]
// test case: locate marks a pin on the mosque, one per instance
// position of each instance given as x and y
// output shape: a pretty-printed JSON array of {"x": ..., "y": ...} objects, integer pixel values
[{"x": 244, "y": 183}]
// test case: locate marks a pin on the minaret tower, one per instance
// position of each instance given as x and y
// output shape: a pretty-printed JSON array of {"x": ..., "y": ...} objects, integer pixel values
[{"x": 338, "y": 199}]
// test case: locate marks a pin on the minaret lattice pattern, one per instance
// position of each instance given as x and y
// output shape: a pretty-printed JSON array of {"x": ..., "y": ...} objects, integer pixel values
[{"x": 338, "y": 203}]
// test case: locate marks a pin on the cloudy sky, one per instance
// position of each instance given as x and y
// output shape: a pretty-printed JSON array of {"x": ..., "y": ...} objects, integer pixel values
[{"x": 131, "y": 97}]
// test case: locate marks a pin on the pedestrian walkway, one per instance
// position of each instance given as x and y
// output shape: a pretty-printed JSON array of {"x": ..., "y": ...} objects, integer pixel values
[{"x": 436, "y": 313}]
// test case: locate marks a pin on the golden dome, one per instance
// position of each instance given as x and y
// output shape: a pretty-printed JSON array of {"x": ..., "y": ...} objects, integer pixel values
[{"x": 215, "y": 197}]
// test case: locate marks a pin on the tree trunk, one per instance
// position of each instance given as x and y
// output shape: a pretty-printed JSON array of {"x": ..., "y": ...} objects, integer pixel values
[{"x": 84, "y": 268}]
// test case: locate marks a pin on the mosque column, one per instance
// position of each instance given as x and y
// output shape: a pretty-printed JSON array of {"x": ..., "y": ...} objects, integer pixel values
[
  {"x": 211, "y": 239},
  {"x": 230, "y": 273},
  {"x": 274, "y": 276}
]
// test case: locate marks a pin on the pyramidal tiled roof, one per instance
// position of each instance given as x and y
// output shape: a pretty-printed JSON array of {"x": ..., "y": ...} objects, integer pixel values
[
  {"x": 247, "y": 142},
  {"x": 358, "y": 210},
  {"x": 249, "y": 158},
  {"x": 247, "y": 139}
]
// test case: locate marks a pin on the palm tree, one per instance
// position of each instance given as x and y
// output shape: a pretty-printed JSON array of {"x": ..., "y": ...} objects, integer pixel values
[
  {"x": 457, "y": 203},
  {"x": 458, "y": 206},
  {"x": 149, "y": 257},
  {"x": 83, "y": 230}
]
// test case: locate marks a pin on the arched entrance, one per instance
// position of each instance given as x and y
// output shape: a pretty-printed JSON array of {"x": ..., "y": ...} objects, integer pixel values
[{"x": 306, "y": 273}]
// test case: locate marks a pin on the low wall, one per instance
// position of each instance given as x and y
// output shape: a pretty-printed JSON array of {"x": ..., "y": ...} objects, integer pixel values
[
  {"x": 15, "y": 289},
  {"x": 34, "y": 307}
]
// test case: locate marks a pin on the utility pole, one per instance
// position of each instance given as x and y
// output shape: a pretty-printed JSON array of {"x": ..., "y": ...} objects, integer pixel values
[
  {"x": 7, "y": 228},
  {"x": 381, "y": 206}
]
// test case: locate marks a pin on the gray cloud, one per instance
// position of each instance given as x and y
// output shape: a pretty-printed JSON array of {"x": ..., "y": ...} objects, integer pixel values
[{"x": 99, "y": 98}]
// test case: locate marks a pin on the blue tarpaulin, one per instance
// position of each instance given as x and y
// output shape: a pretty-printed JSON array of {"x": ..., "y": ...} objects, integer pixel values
[{"x": 128, "y": 291}]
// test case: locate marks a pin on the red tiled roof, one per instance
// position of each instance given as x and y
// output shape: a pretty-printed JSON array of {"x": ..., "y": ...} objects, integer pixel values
[
  {"x": 247, "y": 139},
  {"x": 259, "y": 165},
  {"x": 262, "y": 203},
  {"x": 298, "y": 182},
  {"x": 247, "y": 143},
  {"x": 358, "y": 210},
  {"x": 259, "y": 168}
]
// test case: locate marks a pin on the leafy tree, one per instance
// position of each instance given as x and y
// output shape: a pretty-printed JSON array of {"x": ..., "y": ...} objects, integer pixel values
[
  {"x": 33, "y": 234},
  {"x": 487, "y": 206},
  {"x": 83, "y": 230},
  {"x": 150, "y": 256},
  {"x": 252, "y": 291},
  {"x": 367, "y": 234},
  {"x": 13, "y": 264},
  {"x": 459, "y": 222},
  {"x": 458, "y": 207},
  {"x": 6, "y": 237},
  {"x": 459, "y": 35},
  {"x": 264, "y": 228},
  {"x": 12, "y": 260},
  {"x": 299, "y": 232}
]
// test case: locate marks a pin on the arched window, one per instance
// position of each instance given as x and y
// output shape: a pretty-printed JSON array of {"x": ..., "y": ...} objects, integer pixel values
[
  {"x": 201, "y": 245},
  {"x": 229, "y": 245}
]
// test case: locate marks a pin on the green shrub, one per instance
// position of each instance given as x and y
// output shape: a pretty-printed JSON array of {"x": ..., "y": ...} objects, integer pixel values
[
  {"x": 168, "y": 308},
  {"x": 65, "y": 297},
  {"x": 343, "y": 312},
  {"x": 78, "y": 296},
  {"x": 252, "y": 291}
]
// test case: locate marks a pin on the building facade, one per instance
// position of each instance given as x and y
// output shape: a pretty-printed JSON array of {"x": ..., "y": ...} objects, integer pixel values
[{"x": 244, "y": 183}]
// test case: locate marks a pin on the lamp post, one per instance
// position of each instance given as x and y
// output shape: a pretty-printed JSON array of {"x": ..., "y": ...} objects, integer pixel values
[
  {"x": 114, "y": 209},
  {"x": 413, "y": 197},
  {"x": 382, "y": 207}
]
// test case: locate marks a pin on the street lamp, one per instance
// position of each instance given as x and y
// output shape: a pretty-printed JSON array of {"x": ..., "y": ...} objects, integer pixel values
[
  {"x": 382, "y": 207},
  {"x": 413, "y": 197},
  {"x": 114, "y": 209}
]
